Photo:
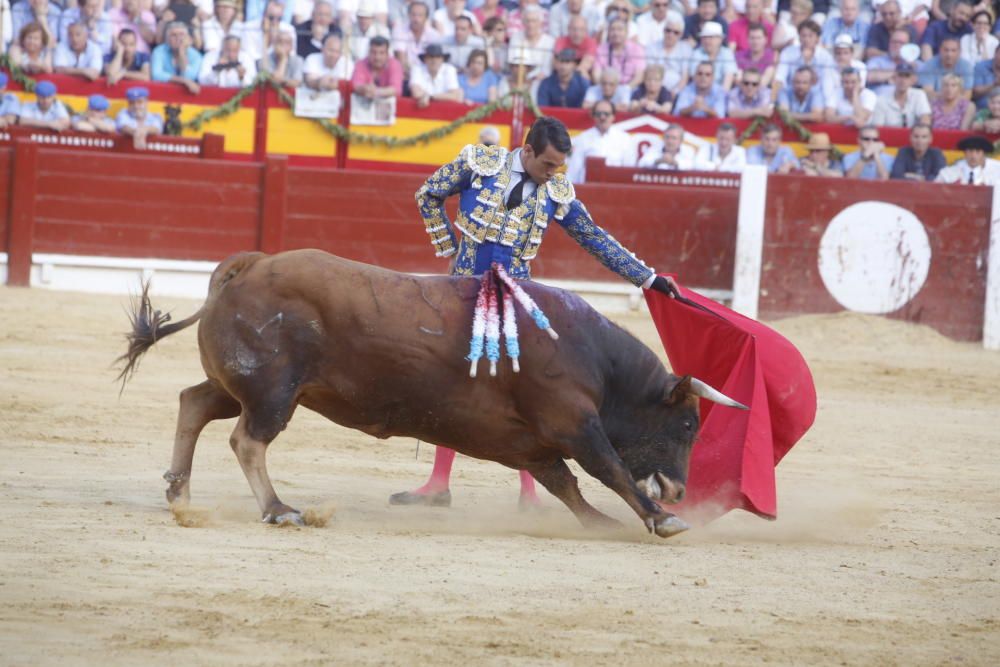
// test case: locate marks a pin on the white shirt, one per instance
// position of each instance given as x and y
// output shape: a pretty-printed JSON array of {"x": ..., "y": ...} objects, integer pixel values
[
  {"x": 710, "y": 160},
  {"x": 212, "y": 33},
  {"x": 650, "y": 30},
  {"x": 517, "y": 169},
  {"x": 844, "y": 106},
  {"x": 445, "y": 81},
  {"x": 685, "y": 158},
  {"x": 315, "y": 65},
  {"x": 226, "y": 78},
  {"x": 889, "y": 113},
  {"x": 972, "y": 51},
  {"x": 446, "y": 27},
  {"x": 988, "y": 174},
  {"x": 539, "y": 54},
  {"x": 615, "y": 146},
  {"x": 252, "y": 38}
]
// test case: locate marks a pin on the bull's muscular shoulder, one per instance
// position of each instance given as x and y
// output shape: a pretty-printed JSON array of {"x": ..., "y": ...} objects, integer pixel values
[
  {"x": 560, "y": 189},
  {"x": 484, "y": 160}
]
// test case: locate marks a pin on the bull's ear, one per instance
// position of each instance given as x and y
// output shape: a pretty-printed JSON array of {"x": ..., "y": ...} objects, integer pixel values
[{"x": 678, "y": 389}]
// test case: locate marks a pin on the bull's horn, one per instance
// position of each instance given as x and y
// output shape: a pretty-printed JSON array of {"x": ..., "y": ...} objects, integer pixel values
[{"x": 699, "y": 388}]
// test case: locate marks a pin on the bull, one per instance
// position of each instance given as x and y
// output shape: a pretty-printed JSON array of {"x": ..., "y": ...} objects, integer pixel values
[{"x": 382, "y": 352}]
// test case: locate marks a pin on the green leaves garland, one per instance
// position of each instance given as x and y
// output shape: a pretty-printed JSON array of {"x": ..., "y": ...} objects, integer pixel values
[{"x": 789, "y": 122}]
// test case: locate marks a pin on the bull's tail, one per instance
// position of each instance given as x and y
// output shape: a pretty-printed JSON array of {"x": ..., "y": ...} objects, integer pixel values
[{"x": 149, "y": 326}]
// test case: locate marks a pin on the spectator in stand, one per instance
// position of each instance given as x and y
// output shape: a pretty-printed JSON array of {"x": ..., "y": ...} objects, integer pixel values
[
  {"x": 724, "y": 154},
  {"x": 914, "y": 13},
  {"x": 749, "y": 98},
  {"x": 142, "y": 22},
  {"x": 951, "y": 109},
  {"x": 610, "y": 90},
  {"x": 881, "y": 68},
  {"x": 495, "y": 31},
  {"x": 809, "y": 53},
  {"x": 854, "y": 103},
  {"x": 739, "y": 30},
  {"x": 259, "y": 35},
  {"x": 843, "y": 57},
  {"x": 786, "y": 32},
  {"x": 976, "y": 168},
  {"x": 563, "y": 12},
  {"x": 254, "y": 10},
  {"x": 711, "y": 50},
  {"x": 848, "y": 23},
  {"x": 312, "y": 33},
  {"x": 818, "y": 161},
  {"x": 919, "y": 161},
  {"x": 708, "y": 10},
  {"x": 651, "y": 96},
  {"x": 671, "y": 154},
  {"x": 95, "y": 118},
  {"x": 621, "y": 54},
  {"x": 326, "y": 69},
  {"x": 933, "y": 72},
  {"x": 515, "y": 17},
  {"x": 581, "y": 43},
  {"x": 618, "y": 10},
  {"x": 878, "y": 35},
  {"x": 462, "y": 43},
  {"x": 980, "y": 44},
  {"x": 770, "y": 153},
  {"x": 702, "y": 98},
  {"x": 489, "y": 9},
  {"x": 363, "y": 29},
  {"x": 46, "y": 111},
  {"x": 32, "y": 53},
  {"x": 183, "y": 11},
  {"x": 136, "y": 120},
  {"x": 565, "y": 87},
  {"x": 127, "y": 62},
  {"x": 988, "y": 119},
  {"x": 91, "y": 14},
  {"x": 650, "y": 25},
  {"x": 674, "y": 54},
  {"x": 10, "y": 106},
  {"x": 602, "y": 140},
  {"x": 870, "y": 162},
  {"x": 78, "y": 56},
  {"x": 534, "y": 46},
  {"x": 348, "y": 11},
  {"x": 904, "y": 105},
  {"x": 224, "y": 22},
  {"x": 413, "y": 38},
  {"x": 803, "y": 101},
  {"x": 229, "y": 67},
  {"x": 434, "y": 79},
  {"x": 378, "y": 75},
  {"x": 478, "y": 82},
  {"x": 984, "y": 78},
  {"x": 444, "y": 18},
  {"x": 285, "y": 66},
  {"x": 758, "y": 56},
  {"x": 489, "y": 136},
  {"x": 953, "y": 28},
  {"x": 176, "y": 60},
  {"x": 43, "y": 12}
]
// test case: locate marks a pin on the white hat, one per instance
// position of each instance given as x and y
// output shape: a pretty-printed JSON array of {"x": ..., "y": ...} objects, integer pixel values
[
  {"x": 365, "y": 9},
  {"x": 710, "y": 29},
  {"x": 843, "y": 41}
]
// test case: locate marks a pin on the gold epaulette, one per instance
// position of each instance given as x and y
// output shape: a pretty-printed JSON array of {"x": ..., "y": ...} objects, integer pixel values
[
  {"x": 484, "y": 160},
  {"x": 560, "y": 189}
]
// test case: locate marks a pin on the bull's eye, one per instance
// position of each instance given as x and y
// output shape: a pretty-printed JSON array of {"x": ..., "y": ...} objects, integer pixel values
[{"x": 687, "y": 425}]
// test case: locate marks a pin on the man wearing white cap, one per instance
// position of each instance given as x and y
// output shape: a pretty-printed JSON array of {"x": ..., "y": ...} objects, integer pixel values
[
  {"x": 348, "y": 9},
  {"x": 363, "y": 29},
  {"x": 848, "y": 23},
  {"x": 710, "y": 49},
  {"x": 444, "y": 18}
]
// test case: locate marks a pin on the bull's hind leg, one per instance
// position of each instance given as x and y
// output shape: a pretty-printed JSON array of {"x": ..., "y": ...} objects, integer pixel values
[
  {"x": 251, "y": 451},
  {"x": 199, "y": 405},
  {"x": 561, "y": 483}
]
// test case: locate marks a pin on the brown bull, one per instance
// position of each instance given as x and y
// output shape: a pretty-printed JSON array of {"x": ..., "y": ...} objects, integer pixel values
[{"x": 383, "y": 352}]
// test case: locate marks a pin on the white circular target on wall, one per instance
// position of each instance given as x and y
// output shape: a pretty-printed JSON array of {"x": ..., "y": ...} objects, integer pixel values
[{"x": 874, "y": 257}]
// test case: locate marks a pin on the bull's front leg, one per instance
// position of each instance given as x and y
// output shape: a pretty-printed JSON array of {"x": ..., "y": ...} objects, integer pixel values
[{"x": 595, "y": 454}]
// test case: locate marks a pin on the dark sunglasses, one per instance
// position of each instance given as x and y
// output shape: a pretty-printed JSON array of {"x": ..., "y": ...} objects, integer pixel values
[
  {"x": 672, "y": 31},
  {"x": 602, "y": 114},
  {"x": 869, "y": 138},
  {"x": 750, "y": 83}
]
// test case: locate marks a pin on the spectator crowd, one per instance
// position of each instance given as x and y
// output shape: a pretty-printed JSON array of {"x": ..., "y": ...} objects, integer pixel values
[{"x": 919, "y": 64}]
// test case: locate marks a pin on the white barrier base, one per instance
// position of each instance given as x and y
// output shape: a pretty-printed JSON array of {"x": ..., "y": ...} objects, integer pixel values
[{"x": 189, "y": 279}]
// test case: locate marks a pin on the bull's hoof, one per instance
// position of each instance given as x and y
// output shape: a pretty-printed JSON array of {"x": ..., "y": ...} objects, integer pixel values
[
  {"x": 178, "y": 496},
  {"x": 291, "y": 518},
  {"x": 441, "y": 499},
  {"x": 667, "y": 526}
]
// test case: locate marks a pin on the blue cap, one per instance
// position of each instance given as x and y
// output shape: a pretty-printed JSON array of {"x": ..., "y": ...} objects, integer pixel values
[
  {"x": 137, "y": 93},
  {"x": 97, "y": 103},
  {"x": 3, "y": 79},
  {"x": 45, "y": 89}
]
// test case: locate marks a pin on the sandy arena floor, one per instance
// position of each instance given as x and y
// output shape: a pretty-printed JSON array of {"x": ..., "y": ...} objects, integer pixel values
[{"x": 885, "y": 552}]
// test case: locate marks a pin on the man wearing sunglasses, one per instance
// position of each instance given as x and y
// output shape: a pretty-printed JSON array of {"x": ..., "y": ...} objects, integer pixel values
[
  {"x": 602, "y": 140},
  {"x": 749, "y": 98},
  {"x": 870, "y": 162},
  {"x": 673, "y": 53}
]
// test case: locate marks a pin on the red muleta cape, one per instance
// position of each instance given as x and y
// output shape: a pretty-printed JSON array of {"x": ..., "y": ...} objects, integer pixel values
[{"x": 733, "y": 461}]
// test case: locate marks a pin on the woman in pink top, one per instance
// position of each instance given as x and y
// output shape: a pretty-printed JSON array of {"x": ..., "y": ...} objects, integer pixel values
[
  {"x": 738, "y": 28},
  {"x": 621, "y": 54},
  {"x": 950, "y": 110},
  {"x": 489, "y": 9}
]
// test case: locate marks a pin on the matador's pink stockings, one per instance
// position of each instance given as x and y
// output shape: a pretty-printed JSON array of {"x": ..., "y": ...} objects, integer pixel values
[{"x": 441, "y": 474}]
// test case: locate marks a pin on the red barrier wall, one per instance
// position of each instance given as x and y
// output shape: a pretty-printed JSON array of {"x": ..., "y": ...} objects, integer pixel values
[
  {"x": 956, "y": 219},
  {"x": 6, "y": 188}
]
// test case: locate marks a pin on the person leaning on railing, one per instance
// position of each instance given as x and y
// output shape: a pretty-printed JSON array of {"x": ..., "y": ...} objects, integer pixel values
[
  {"x": 281, "y": 62},
  {"x": 46, "y": 111},
  {"x": 10, "y": 106},
  {"x": 229, "y": 67},
  {"x": 127, "y": 62},
  {"x": 32, "y": 53},
  {"x": 988, "y": 119},
  {"x": 136, "y": 120},
  {"x": 176, "y": 60},
  {"x": 95, "y": 118},
  {"x": 326, "y": 69},
  {"x": 78, "y": 56},
  {"x": 378, "y": 75}
]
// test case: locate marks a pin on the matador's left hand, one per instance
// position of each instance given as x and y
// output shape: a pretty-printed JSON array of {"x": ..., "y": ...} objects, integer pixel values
[{"x": 666, "y": 285}]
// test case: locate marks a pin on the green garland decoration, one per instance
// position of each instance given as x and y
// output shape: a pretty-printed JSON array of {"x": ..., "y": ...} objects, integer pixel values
[
  {"x": 786, "y": 119},
  {"x": 227, "y": 108}
]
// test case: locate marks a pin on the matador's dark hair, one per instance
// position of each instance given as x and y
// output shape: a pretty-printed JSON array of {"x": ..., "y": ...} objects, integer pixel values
[{"x": 548, "y": 131}]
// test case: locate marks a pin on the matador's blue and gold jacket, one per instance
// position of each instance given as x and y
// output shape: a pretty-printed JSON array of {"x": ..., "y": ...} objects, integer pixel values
[{"x": 491, "y": 233}]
